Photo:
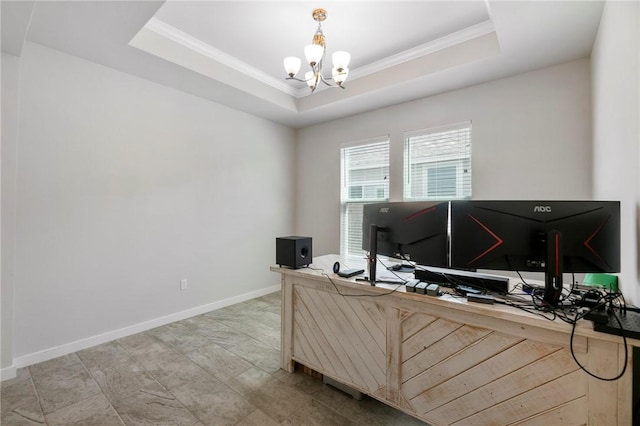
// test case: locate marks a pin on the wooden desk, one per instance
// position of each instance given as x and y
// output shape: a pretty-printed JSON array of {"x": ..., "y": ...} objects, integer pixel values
[{"x": 447, "y": 361}]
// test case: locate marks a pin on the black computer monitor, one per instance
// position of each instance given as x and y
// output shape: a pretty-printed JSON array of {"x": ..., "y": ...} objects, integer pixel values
[
  {"x": 414, "y": 231},
  {"x": 546, "y": 236}
]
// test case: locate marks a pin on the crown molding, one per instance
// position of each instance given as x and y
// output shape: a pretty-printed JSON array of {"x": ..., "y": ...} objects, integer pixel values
[
  {"x": 450, "y": 40},
  {"x": 165, "y": 30}
]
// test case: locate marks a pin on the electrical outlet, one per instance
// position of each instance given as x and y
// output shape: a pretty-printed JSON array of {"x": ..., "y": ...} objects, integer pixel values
[{"x": 183, "y": 284}]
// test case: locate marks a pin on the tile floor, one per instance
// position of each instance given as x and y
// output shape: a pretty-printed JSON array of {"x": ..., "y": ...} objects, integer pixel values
[{"x": 220, "y": 368}]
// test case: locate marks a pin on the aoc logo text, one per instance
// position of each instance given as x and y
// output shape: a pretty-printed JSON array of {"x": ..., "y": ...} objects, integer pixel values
[{"x": 542, "y": 209}]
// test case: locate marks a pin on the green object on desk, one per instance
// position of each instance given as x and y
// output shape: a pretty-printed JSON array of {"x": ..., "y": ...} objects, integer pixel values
[{"x": 609, "y": 282}]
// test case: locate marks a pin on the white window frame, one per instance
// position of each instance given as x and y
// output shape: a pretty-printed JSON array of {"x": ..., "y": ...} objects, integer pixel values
[
  {"x": 350, "y": 232},
  {"x": 451, "y": 146}
]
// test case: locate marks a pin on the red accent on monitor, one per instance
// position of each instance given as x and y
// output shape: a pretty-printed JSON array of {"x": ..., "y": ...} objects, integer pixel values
[
  {"x": 587, "y": 242},
  {"x": 416, "y": 214},
  {"x": 498, "y": 243},
  {"x": 558, "y": 263}
]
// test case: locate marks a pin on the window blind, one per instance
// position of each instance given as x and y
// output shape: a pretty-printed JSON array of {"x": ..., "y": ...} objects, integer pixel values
[
  {"x": 437, "y": 163},
  {"x": 364, "y": 179}
]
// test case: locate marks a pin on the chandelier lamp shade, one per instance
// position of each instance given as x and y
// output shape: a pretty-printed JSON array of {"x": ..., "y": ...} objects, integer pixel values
[{"x": 314, "y": 54}]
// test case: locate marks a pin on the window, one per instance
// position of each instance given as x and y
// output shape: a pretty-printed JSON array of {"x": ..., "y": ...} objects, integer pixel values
[
  {"x": 437, "y": 166},
  {"x": 437, "y": 163},
  {"x": 364, "y": 179}
]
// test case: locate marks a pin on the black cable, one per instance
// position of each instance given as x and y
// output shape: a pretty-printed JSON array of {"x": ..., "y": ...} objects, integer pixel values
[
  {"x": 358, "y": 295},
  {"x": 602, "y": 300},
  {"x": 521, "y": 278},
  {"x": 626, "y": 351},
  {"x": 532, "y": 309},
  {"x": 391, "y": 270}
]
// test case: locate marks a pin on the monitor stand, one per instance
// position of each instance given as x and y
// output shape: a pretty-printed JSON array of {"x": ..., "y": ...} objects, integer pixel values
[
  {"x": 553, "y": 269},
  {"x": 372, "y": 258}
]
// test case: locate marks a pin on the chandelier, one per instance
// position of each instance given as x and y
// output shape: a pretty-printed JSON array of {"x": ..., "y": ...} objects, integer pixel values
[{"x": 314, "y": 54}]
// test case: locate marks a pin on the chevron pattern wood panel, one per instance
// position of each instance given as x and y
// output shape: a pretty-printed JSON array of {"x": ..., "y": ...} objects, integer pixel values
[
  {"x": 451, "y": 363},
  {"x": 342, "y": 335},
  {"x": 454, "y": 373}
]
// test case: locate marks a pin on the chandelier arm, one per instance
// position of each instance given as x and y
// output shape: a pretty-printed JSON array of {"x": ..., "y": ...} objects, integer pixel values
[
  {"x": 296, "y": 79},
  {"x": 324, "y": 80}
]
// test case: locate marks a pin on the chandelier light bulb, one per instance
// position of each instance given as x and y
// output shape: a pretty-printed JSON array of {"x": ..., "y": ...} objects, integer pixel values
[
  {"x": 339, "y": 75},
  {"x": 313, "y": 53},
  {"x": 341, "y": 59},
  {"x": 310, "y": 78},
  {"x": 292, "y": 65}
]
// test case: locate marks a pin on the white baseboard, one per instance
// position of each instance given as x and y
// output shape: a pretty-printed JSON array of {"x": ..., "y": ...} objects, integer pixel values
[
  {"x": 8, "y": 373},
  {"x": 47, "y": 354}
]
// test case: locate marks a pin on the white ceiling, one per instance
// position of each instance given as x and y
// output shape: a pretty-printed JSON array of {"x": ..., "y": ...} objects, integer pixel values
[{"x": 231, "y": 51}]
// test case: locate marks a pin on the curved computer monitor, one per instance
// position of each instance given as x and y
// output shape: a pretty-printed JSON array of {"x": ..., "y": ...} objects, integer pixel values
[
  {"x": 546, "y": 236},
  {"x": 415, "y": 231}
]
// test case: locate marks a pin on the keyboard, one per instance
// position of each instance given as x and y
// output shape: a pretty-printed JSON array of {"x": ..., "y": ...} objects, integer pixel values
[{"x": 630, "y": 321}]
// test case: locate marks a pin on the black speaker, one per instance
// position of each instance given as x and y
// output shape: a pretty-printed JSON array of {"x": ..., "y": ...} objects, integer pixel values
[{"x": 293, "y": 251}]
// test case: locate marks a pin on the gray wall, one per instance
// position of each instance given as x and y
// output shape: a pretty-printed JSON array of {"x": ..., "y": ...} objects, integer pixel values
[
  {"x": 124, "y": 187},
  {"x": 616, "y": 128},
  {"x": 531, "y": 140},
  {"x": 10, "y": 89}
]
